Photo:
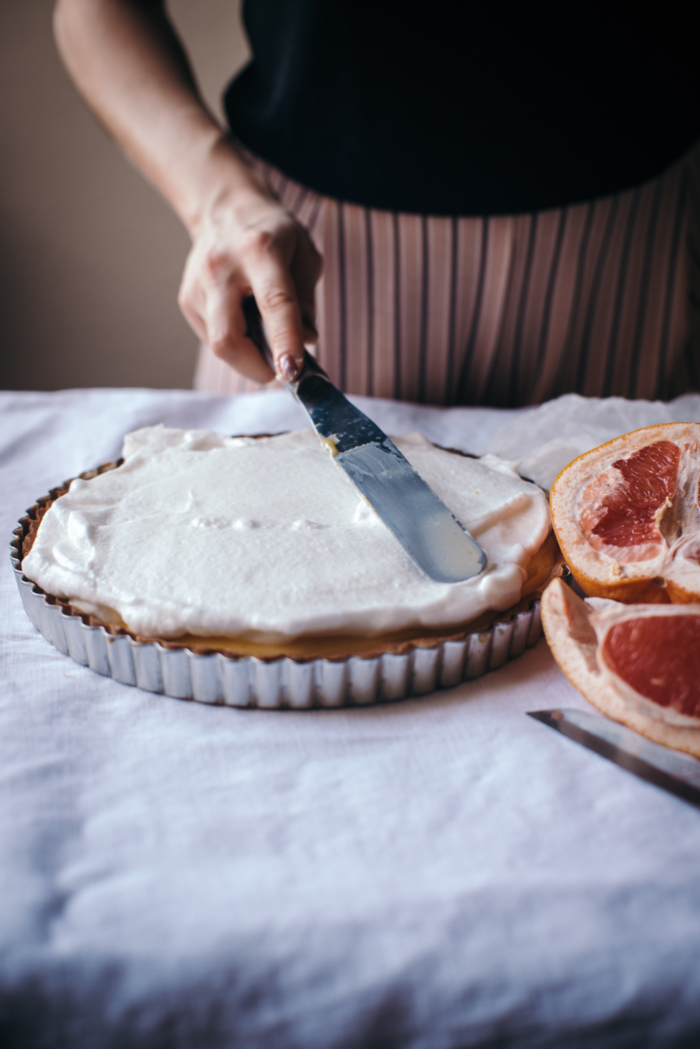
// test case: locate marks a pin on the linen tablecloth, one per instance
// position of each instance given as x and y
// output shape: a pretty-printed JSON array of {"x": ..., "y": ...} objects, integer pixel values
[{"x": 434, "y": 874}]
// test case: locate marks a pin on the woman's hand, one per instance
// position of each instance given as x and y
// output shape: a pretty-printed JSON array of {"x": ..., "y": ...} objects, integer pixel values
[
  {"x": 247, "y": 244},
  {"x": 131, "y": 68}
]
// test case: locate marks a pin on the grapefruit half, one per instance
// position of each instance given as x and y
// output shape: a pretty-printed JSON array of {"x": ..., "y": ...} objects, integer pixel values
[
  {"x": 638, "y": 664},
  {"x": 627, "y": 518}
]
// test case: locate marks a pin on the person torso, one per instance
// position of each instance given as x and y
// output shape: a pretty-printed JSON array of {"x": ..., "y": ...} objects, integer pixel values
[{"x": 462, "y": 108}]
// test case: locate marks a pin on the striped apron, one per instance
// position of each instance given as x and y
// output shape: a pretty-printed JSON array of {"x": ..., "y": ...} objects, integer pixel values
[{"x": 600, "y": 298}]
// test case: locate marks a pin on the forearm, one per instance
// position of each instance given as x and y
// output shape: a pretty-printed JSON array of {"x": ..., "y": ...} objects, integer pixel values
[
  {"x": 127, "y": 61},
  {"x": 130, "y": 67}
]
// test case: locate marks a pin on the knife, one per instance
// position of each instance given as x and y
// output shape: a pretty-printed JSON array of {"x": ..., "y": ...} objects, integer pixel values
[
  {"x": 431, "y": 536},
  {"x": 671, "y": 770}
]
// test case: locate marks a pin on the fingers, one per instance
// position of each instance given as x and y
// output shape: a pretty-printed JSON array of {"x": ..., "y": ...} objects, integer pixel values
[
  {"x": 277, "y": 264},
  {"x": 210, "y": 298},
  {"x": 276, "y": 296},
  {"x": 226, "y": 335}
]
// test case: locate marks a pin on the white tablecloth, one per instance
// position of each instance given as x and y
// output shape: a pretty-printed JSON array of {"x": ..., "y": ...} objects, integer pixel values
[{"x": 443, "y": 872}]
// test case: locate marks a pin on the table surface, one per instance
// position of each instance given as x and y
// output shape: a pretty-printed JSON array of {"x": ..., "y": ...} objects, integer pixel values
[{"x": 441, "y": 872}]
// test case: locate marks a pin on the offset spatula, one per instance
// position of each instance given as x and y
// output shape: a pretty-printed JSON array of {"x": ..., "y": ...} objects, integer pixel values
[{"x": 428, "y": 532}]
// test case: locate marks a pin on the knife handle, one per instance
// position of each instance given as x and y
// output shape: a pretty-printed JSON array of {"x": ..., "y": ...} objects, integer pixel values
[{"x": 256, "y": 331}]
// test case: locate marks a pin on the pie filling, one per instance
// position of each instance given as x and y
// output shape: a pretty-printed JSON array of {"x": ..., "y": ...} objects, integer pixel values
[{"x": 264, "y": 542}]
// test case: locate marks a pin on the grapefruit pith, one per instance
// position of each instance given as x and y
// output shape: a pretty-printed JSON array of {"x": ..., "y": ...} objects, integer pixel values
[
  {"x": 638, "y": 664},
  {"x": 627, "y": 518}
]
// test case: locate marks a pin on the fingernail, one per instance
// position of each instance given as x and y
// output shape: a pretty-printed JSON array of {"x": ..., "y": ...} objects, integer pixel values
[{"x": 288, "y": 367}]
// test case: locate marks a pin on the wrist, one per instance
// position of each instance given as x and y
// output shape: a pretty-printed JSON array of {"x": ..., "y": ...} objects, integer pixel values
[{"x": 223, "y": 182}]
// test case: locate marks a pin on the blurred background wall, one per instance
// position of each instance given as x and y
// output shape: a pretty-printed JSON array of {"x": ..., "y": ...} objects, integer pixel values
[{"x": 90, "y": 257}]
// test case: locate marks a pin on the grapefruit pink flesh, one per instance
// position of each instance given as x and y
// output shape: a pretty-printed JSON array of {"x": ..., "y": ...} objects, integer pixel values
[
  {"x": 620, "y": 508},
  {"x": 659, "y": 657}
]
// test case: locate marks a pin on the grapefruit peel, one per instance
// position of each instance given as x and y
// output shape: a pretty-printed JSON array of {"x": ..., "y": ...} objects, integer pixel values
[
  {"x": 576, "y": 631},
  {"x": 627, "y": 519}
]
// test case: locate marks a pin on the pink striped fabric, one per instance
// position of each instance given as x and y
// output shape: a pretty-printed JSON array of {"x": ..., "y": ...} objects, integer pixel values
[{"x": 600, "y": 298}]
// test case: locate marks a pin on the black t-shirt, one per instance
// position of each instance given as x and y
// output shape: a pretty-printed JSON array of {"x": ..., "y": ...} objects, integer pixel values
[{"x": 462, "y": 108}]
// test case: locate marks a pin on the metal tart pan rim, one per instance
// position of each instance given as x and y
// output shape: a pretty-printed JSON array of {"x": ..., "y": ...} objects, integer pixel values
[{"x": 270, "y": 684}]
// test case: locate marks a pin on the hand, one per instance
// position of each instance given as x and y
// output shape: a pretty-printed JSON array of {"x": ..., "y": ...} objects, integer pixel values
[{"x": 250, "y": 245}]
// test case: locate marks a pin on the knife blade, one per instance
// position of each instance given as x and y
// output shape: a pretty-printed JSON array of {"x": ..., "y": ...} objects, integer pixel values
[
  {"x": 672, "y": 771},
  {"x": 429, "y": 533}
]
